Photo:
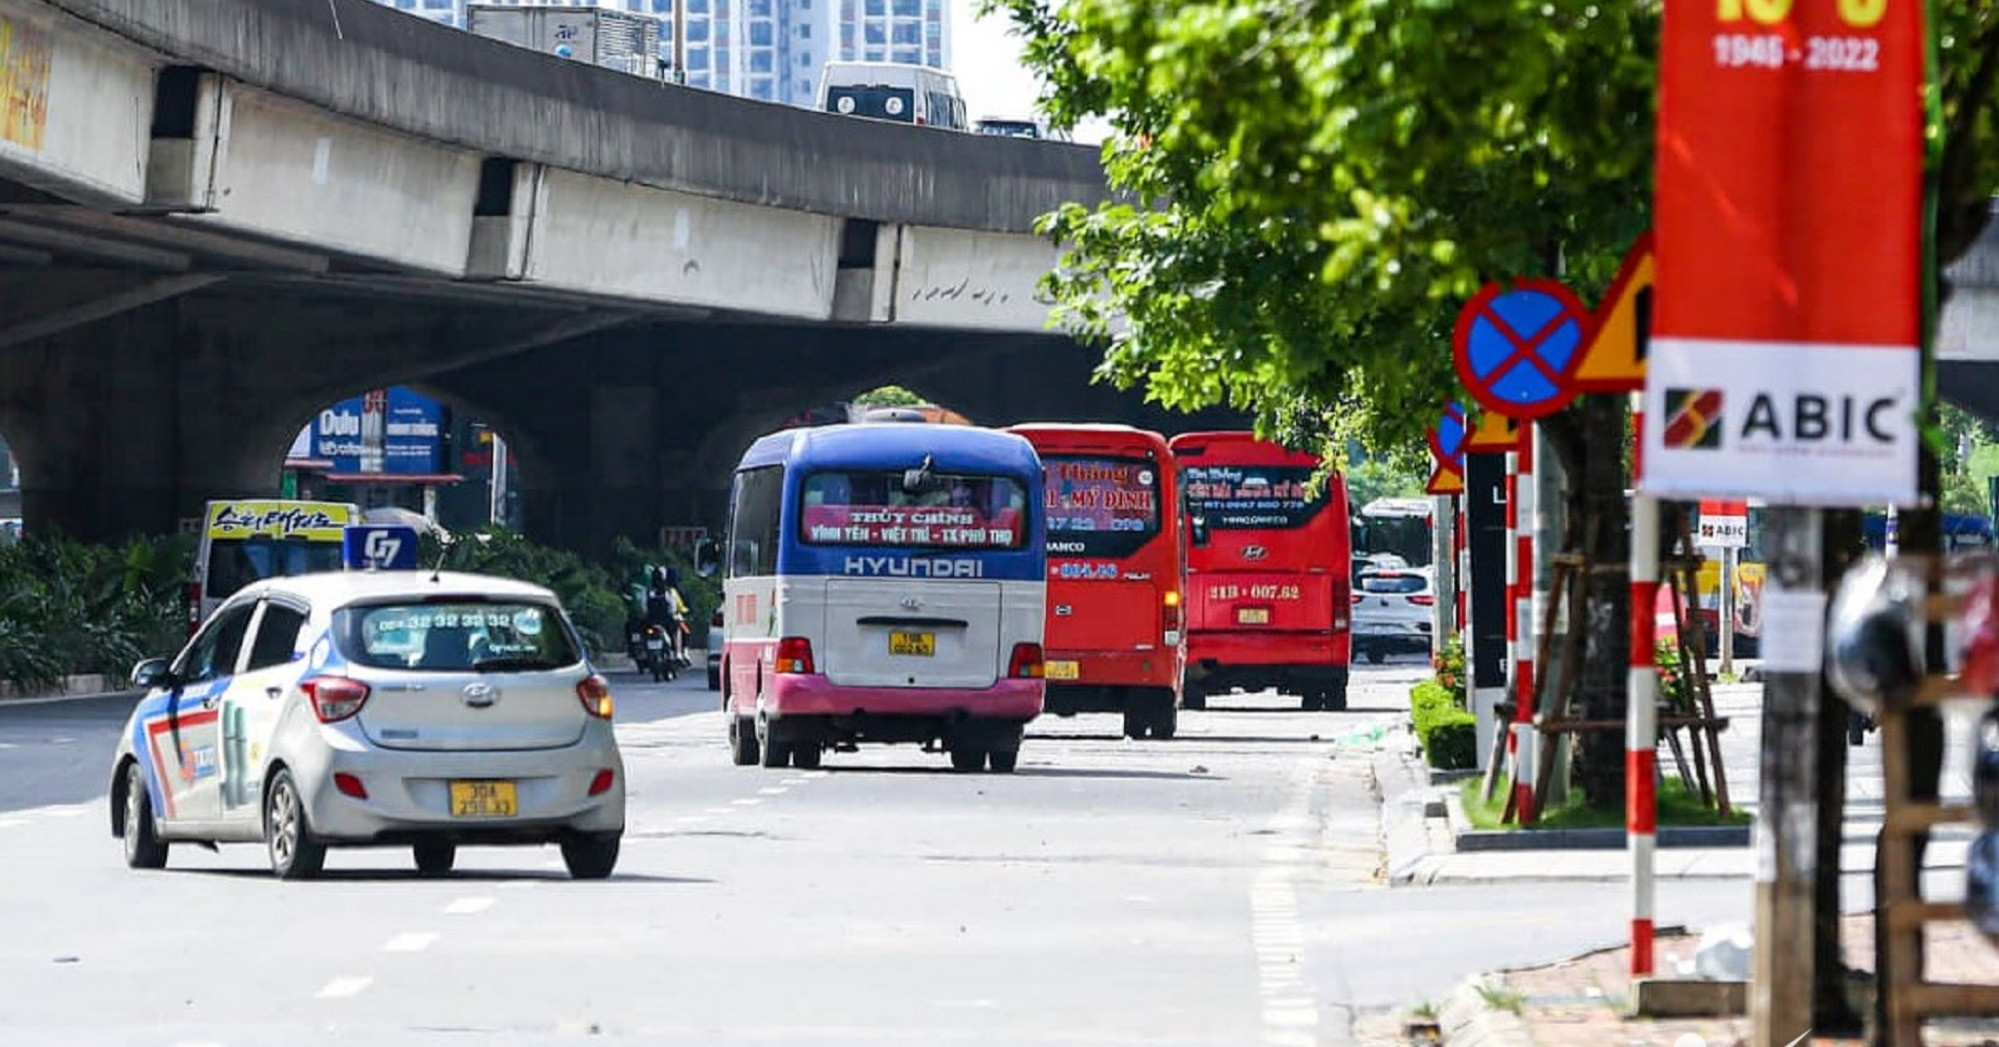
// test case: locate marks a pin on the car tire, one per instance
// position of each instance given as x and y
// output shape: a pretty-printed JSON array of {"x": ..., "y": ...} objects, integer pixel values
[
  {"x": 591, "y": 857},
  {"x": 1310, "y": 702},
  {"x": 1003, "y": 761},
  {"x": 715, "y": 679},
  {"x": 1334, "y": 699},
  {"x": 1137, "y": 722},
  {"x": 434, "y": 859},
  {"x": 966, "y": 758},
  {"x": 743, "y": 748},
  {"x": 805, "y": 755},
  {"x": 1165, "y": 718},
  {"x": 143, "y": 848},
  {"x": 1192, "y": 696},
  {"x": 295, "y": 853},
  {"x": 770, "y": 738}
]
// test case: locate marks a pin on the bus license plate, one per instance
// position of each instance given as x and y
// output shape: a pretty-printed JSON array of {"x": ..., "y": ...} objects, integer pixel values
[
  {"x": 921, "y": 645},
  {"x": 1252, "y": 616},
  {"x": 1060, "y": 670},
  {"x": 492, "y": 799}
]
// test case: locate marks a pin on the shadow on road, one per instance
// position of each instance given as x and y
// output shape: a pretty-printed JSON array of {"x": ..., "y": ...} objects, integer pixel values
[
  {"x": 1025, "y": 771},
  {"x": 461, "y": 876}
]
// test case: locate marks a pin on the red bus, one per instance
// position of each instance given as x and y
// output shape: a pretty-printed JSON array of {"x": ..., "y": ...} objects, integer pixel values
[
  {"x": 1112, "y": 642},
  {"x": 1269, "y": 570}
]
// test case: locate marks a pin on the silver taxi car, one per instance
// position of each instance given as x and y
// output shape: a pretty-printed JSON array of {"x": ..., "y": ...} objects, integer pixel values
[{"x": 390, "y": 708}]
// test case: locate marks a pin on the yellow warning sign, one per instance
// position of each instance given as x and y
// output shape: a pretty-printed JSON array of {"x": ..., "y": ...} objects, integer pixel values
[
  {"x": 1614, "y": 359},
  {"x": 1494, "y": 433},
  {"x": 1444, "y": 481}
]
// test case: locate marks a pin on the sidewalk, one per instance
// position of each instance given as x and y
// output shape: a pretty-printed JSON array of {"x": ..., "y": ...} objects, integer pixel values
[{"x": 1583, "y": 1001}]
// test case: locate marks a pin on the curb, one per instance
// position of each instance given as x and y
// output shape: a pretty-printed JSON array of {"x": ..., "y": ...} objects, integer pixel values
[
  {"x": 1474, "y": 840},
  {"x": 1466, "y": 1020},
  {"x": 89, "y": 685},
  {"x": 1406, "y": 799}
]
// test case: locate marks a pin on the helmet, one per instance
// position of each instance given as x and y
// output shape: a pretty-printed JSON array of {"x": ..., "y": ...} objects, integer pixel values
[{"x": 1874, "y": 635}]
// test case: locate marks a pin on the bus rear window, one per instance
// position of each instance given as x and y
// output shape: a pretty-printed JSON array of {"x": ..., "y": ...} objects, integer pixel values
[
  {"x": 870, "y": 508},
  {"x": 1106, "y": 507},
  {"x": 236, "y": 562},
  {"x": 1251, "y": 497}
]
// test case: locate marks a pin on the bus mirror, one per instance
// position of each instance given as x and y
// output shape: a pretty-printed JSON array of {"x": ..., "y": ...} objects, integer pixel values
[
  {"x": 1197, "y": 529},
  {"x": 919, "y": 480},
  {"x": 706, "y": 557}
]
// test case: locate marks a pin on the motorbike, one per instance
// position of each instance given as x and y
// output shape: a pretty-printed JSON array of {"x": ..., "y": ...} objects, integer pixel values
[{"x": 658, "y": 656}]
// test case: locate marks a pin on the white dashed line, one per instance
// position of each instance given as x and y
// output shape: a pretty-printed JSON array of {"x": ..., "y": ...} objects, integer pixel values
[
  {"x": 775, "y": 790},
  {"x": 747, "y": 801},
  {"x": 691, "y": 819},
  {"x": 198, "y": 1043},
  {"x": 817, "y": 774},
  {"x": 1290, "y": 1016},
  {"x": 416, "y": 941},
  {"x": 9, "y": 823},
  {"x": 8, "y": 745},
  {"x": 342, "y": 987},
  {"x": 468, "y": 906},
  {"x": 793, "y": 781}
]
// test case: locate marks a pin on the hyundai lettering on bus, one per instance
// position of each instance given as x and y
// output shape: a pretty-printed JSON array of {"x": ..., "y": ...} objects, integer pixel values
[
  {"x": 883, "y": 583},
  {"x": 1268, "y": 571},
  {"x": 1113, "y": 626}
]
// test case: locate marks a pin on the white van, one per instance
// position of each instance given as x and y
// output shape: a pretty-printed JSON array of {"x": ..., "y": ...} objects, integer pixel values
[
  {"x": 247, "y": 540},
  {"x": 909, "y": 94}
]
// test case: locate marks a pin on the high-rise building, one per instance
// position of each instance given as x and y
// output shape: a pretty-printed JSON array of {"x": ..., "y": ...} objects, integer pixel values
[{"x": 769, "y": 49}]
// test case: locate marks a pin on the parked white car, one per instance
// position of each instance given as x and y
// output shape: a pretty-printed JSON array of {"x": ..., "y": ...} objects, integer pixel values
[
  {"x": 1391, "y": 611},
  {"x": 392, "y": 708}
]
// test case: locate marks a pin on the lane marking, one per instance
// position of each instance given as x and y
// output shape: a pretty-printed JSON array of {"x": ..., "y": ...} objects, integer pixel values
[
  {"x": 343, "y": 987},
  {"x": 198, "y": 1043},
  {"x": 415, "y": 941},
  {"x": 1277, "y": 933},
  {"x": 747, "y": 801},
  {"x": 793, "y": 781},
  {"x": 468, "y": 906},
  {"x": 774, "y": 790},
  {"x": 9, "y": 823}
]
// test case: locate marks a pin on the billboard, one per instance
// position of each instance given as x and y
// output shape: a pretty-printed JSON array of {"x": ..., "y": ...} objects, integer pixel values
[{"x": 384, "y": 431}]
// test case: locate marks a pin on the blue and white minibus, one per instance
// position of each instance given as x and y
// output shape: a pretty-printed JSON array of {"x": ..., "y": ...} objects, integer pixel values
[{"x": 883, "y": 583}]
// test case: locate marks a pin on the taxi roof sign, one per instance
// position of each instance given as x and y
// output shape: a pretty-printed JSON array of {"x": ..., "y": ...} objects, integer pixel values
[{"x": 1614, "y": 359}]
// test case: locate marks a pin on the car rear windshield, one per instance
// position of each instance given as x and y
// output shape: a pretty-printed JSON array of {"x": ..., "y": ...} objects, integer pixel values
[
  {"x": 1392, "y": 583},
  {"x": 1100, "y": 506},
  {"x": 869, "y": 508},
  {"x": 456, "y": 636},
  {"x": 1251, "y": 497}
]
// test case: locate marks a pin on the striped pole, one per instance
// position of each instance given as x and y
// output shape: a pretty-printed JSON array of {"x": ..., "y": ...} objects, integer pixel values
[
  {"x": 1641, "y": 739},
  {"x": 1526, "y": 760},
  {"x": 1512, "y": 601}
]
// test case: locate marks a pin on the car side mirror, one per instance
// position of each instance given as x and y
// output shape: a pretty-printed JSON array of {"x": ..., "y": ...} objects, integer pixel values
[
  {"x": 707, "y": 556},
  {"x": 1197, "y": 529},
  {"x": 152, "y": 673}
]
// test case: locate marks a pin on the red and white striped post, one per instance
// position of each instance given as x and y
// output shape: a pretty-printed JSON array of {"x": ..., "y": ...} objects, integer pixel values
[
  {"x": 1641, "y": 739},
  {"x": 1512, "y": 490},
  {"x": 1525, "y": 759}
]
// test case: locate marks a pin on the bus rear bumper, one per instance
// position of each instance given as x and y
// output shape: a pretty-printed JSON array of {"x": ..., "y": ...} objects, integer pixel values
[
  {"x": 814, "y": 695},
  {"x": 1229, "y": 649}
]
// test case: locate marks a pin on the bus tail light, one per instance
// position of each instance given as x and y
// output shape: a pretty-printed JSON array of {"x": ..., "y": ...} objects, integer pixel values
[
  {"x": 794, "y": 655},
  {"x": 1169, "y": 615},
  {"x": 334, "y": 698},
  {"x": 1026, "y": 662},
  {"x": 595, "y": 694}
]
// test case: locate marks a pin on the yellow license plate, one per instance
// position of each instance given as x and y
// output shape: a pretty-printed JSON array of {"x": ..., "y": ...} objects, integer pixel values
[
  {"x": 922, "y": 645},
  {"x": 1060, "y": 670},
  {"x": 494, "y": 799},
  {"x": 1252, "y": 616}
]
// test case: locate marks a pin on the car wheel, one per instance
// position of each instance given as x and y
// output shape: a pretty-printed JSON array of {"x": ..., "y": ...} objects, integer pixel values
[
  {"x": 966, "y": 757},
  {"x": 1165, "y": 718},
  {"x": 1003, "y": 761},
  {"x": 295, "y": 853},
  {"x": 1193, "y": 697},
  {"x": 1135, "y": 722},
  {"x": 434, "y": 859},
  {"x": 143, "y": 849},
  {"x": 805, "y": 755},
  {"x": 1334, "y": 699},
  {"x": 743, "y": 749},
  {"x": 591, "y": 857},
  {"x": 776, "y": 752}
]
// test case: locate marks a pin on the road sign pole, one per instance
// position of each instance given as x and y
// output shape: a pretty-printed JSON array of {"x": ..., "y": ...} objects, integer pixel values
[
  {"x": 1526, "y": 598},
  {"x": 1725, "y": 617},
  {"x": 1512, "y": 600},
  {"x": 1641, "y": 737}
]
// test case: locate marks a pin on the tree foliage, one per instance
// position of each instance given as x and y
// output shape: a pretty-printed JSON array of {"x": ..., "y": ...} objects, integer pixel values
[{"x": 890, "y": 396}]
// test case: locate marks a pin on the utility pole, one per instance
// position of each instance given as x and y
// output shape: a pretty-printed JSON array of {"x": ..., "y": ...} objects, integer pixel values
[{"x": 680, "y": 41}]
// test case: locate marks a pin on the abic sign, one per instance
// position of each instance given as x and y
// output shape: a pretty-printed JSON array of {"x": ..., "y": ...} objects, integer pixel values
[{"x": 1784, "y": 358}]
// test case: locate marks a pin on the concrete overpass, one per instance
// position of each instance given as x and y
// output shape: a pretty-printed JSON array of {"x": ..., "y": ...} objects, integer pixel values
[{"x": 217, "y": 216}]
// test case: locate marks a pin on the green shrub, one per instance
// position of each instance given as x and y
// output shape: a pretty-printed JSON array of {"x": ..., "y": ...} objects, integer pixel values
[
  {"x": 1446, "y": 731},
  {"x": 69, "y": 608}
]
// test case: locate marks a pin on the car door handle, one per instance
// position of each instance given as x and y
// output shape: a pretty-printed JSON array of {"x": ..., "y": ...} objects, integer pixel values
[
  {"x": 208, "y": 702},
  {"x": 274, "y": 692}
]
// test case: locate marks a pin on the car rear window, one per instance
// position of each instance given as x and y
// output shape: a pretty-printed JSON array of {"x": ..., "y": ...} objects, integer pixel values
[
  {"x": 456, "y": 636},
  {"x": 1392, "y": 583}
]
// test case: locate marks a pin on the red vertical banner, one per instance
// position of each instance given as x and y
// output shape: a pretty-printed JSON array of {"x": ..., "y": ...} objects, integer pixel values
[{"x": 1784, "y": 361}]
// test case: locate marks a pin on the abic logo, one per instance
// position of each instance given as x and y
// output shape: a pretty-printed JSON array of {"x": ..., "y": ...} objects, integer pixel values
[{"x": 1693, "y": 419}]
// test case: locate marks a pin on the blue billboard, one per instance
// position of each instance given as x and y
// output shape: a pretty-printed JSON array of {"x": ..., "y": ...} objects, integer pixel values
[{"x": 384, "y": 431}]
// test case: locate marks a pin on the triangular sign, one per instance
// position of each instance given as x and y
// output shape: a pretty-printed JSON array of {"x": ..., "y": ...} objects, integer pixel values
[
  {"x": 1614, "y": 359},
  {"x": 1444, "y": 481},
  {"x": 1494, "y": 433}
]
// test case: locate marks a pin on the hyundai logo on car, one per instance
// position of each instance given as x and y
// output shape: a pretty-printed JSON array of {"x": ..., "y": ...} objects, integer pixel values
[{"x": 1254, "y": 552}]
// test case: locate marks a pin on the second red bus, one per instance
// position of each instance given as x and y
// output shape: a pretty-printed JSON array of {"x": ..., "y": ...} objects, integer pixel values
[
  {"x": 1113, "y": 636},
  {"x": 1269, "y": 559}
]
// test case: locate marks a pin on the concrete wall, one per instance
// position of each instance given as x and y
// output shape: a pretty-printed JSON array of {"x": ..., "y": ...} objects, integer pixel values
[
  {"x": 407, "y": 74},
  {"x": 89, "y": 141}
]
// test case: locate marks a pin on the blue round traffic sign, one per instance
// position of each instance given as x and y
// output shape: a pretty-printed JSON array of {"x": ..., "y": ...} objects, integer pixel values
[
  {"x": 1447, "y": 439},
  {"x": 1517, "y": 347}
]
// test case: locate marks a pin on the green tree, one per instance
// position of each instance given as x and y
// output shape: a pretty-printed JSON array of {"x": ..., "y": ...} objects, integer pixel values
[{"x": 889, "y": 396}]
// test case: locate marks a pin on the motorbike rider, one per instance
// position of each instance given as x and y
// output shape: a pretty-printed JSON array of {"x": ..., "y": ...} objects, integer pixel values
[{"x": 667, "y": 608}]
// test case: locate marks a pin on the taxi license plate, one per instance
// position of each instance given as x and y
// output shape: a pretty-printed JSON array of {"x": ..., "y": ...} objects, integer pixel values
[
  {"x": 921, "y": 645},
  {"x": 491, "y": 799},
  {"x": 1060, "y": 670},
  {"x": 1252, "y": 616}
]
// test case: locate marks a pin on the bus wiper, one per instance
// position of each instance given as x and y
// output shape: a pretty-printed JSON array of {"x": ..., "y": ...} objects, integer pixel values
[{"x": 512, "y": 663}]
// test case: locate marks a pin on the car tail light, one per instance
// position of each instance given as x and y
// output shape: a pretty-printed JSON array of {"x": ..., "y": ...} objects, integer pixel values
[
  {"x": 334, "y": 698},
  {"x": 595, "y": 694},
  {"x": 1026, "y": 662},
  {"x": 1423, "y": 599},
  {"x": 602, "y": 783},
  {"x": 349, "y": 785},
  {"x": 716, "y": 618},
  {"x": 1356, "y": 597},
  {"x": 794, "y": 655}
]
